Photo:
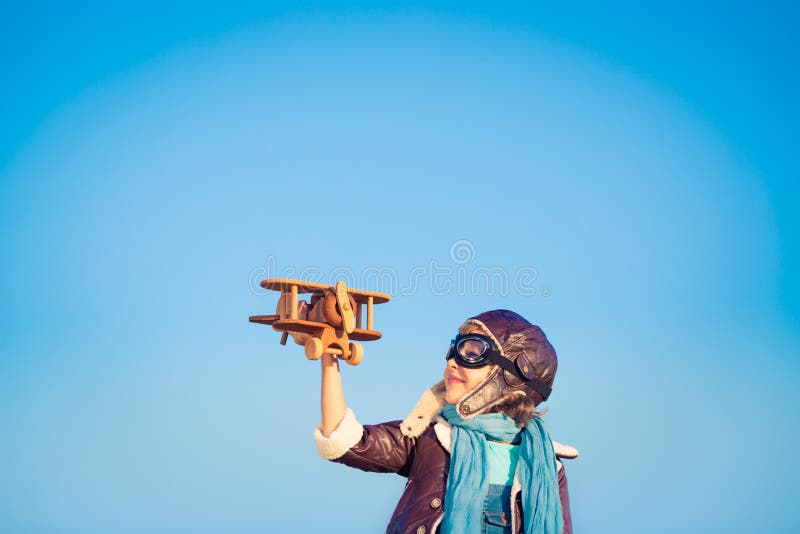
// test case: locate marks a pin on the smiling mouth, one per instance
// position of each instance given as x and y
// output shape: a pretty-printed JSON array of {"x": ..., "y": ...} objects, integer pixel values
[{"x": 454, "y": 380}]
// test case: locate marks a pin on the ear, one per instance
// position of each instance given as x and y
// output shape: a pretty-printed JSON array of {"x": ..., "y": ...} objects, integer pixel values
[{"x": 430, "y": 403}]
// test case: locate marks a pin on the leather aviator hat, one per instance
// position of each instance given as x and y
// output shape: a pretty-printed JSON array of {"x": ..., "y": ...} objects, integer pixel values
[
  {"x": 527, "y": 362},
  {"x": 526, "y": 366}
]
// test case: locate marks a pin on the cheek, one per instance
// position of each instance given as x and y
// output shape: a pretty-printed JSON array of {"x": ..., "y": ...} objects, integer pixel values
[{"x": 477, "y": 376}]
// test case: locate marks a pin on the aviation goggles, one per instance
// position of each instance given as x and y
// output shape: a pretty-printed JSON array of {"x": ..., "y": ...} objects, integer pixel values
[
  {"x": 473, "y": 351},
  {"x": 476, "y": 350}
]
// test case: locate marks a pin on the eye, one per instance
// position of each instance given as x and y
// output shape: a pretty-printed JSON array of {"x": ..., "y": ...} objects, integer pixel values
[{"x": 471, "y": 349}]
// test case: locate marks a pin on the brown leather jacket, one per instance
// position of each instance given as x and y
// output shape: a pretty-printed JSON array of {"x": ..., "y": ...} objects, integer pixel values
[{"x": 425, "y": 461}]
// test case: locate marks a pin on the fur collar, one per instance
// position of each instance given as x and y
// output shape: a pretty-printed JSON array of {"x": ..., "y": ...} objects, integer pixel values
[
  {"x": 429, "y": 405},
  {"x": 427, "y": 411}
]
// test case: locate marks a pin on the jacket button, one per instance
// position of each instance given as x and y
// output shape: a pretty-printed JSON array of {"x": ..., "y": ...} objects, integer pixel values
[
  {"x": 436, "y": 502},
  {"x": 466, "y": 409},
  {"x": 421, "y": 529}
]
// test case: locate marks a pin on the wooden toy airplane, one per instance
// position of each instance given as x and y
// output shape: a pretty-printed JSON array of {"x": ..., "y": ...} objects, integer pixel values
[{"x": 334, "y": 317}]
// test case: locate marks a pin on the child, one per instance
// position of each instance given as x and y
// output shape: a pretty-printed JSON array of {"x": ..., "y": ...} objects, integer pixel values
[{"x": 476, "y": 454}]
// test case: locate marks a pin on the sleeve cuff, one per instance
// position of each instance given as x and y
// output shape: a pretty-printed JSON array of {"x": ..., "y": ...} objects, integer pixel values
[
  {"x": 564, "y": 451},
  {"x": 341, "y": 440}
]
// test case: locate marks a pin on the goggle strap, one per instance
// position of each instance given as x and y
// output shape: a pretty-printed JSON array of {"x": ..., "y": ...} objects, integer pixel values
[
  {"x": 490, "y": 354},
  {"x": 540, "y": 387}
]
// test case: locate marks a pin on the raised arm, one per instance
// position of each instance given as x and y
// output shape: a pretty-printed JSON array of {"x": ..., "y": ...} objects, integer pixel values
[
  {"x": 341, "y": 438},
  {"x": 332, "y": 397},
  {"x": 333, "y": 405}
]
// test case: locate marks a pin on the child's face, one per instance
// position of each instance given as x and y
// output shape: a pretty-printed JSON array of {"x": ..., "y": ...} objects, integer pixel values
[{"x": 459, "y": 380}]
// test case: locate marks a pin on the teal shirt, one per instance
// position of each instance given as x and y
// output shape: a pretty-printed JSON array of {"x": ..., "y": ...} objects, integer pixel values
[{"x": 503, "y": 459}]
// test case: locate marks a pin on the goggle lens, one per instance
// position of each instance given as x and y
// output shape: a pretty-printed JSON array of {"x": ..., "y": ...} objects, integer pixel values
[{"x": 471, "y": 350}]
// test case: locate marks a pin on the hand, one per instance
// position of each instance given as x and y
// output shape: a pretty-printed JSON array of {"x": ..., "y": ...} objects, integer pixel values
[
  {"x": 302, "y": 312},
  {"x": 329, "y": 360}
]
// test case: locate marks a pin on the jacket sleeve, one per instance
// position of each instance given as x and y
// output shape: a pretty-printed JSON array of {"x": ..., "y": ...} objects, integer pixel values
[
  {"x": 381, "y": 448},
  {"x": 563, "y": 493}
]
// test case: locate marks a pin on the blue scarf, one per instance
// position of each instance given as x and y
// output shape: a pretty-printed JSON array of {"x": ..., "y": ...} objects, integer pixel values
[{"x": 468, "y": 481}]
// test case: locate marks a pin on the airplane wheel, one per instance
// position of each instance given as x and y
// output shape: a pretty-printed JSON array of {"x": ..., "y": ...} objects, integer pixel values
[
  {"x": 356, "y": 353},
  {"x": 314, "y": 349}
]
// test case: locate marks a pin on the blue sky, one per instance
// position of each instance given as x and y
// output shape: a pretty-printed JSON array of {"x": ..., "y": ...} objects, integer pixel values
[{"x": 626, "y": 178}]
